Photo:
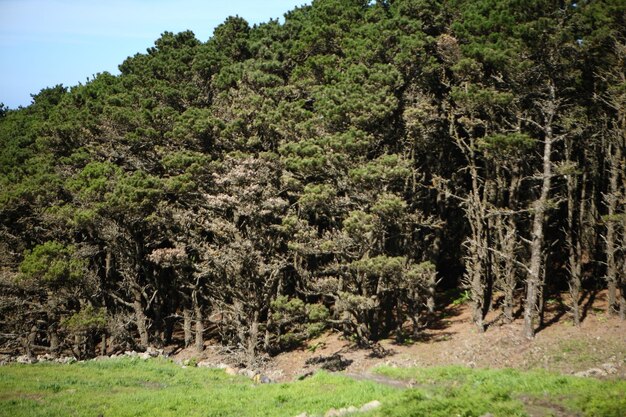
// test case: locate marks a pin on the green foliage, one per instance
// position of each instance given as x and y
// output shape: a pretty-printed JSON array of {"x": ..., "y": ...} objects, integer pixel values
[
  {"x": 285, "y": 308},
  {"x": 87, "y": 319},
  {"x": 508, "y": 143},
  {"x": 389, "y": 206},
  {"x": 354, "y": 147},
  {"x": 381, "y": 266},
  {"x": 297, "y": 321},
  {"x": 53, "y": 264},
  {"x": 94, "y": 180},
  {"x": 135, "y": 193},
  {"x": 462, "y": 299},
  {"x": 386, "y": 169},
  {"x": 316, "y": 197},
  {"x": 359, "y": 224}
]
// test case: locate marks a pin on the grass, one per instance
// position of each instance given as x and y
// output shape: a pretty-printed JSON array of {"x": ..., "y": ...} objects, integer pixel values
[
  {"x": 585, "y": 353},
  {"x": 159, "y": 388},
  {"x": 459, "y": 391}
]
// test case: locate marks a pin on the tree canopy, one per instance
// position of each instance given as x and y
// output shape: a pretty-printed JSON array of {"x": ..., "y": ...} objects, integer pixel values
[{"x": 337, "y": 170}]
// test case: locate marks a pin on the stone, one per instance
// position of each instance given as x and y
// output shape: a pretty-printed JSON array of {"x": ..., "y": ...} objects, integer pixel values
[
  {"x": 144, "y": 356},
  {"x": 333, "y": 413},
  {"x": 247, "y": 372},
  {"x": 610, "y": 368},
  {"x": 593, "y": 372},
  {"x": 302, "y": 415},
  {"x": 372, "y": 405},
  {"x": 230, "y": 371},
  {"x": 154, "y": 352}
]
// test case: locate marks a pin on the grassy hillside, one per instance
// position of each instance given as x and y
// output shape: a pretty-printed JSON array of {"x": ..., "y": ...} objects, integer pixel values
[{"x": 160, "y": 388}]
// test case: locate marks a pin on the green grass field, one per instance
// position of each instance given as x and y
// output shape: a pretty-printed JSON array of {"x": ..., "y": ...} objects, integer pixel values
[{"x": 159, "y": 388}]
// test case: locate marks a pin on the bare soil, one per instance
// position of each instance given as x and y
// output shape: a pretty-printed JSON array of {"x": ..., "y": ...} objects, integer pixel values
[{"x": 453, "y": 339}]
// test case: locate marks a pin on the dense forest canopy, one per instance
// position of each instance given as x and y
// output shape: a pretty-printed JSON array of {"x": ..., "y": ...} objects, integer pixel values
[{"x": 339, "y": 170}]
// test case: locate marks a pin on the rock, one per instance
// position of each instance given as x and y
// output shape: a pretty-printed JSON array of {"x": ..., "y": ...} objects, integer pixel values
[
  {"x": 302, "y": 415},
  {"x": 333, "y": 413},
  {"x": 372, "y": 405},
  {"x": 24, "y": 359},
  {"x": 610, "y": 368},
  {"x": 144, "y": 356},
  {"x": 333, "y": 363},
  {"x": 45, "y": 358},
  {"x": 230, "y": 371},
  {"x": 208, "y": 364},
  {"x": 487, "y": 415},
  {"x": 275, "y": 374},
  {"x": 247, "y": 372},
  {"x": 154, "y": 352},
  {"x": 341, "y": 412},
  {"x": 261, "y": 379},
  {"x": 593, "y": 372}
]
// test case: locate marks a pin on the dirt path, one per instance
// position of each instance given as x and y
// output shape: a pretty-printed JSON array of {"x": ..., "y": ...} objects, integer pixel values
[{"x": 380, "y": 379}]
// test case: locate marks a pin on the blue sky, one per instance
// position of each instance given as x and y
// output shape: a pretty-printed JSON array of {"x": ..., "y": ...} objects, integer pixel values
[{"x": 49, "y": 42}]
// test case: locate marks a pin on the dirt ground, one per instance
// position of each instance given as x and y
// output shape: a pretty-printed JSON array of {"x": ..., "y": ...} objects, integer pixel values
[{"x": 599, "y": 343}]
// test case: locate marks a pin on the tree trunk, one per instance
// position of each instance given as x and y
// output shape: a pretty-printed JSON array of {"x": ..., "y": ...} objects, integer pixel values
[
  {"x": 477, "y": 248},
  {"x": 540, "y": 208},
  {"x": 611, "y": 200},
  {"x": 140, "y": 317},
  {"x": 31, "y": 340},
  {"x": 199, "y": 324},
  {"x": 169, "y": 330},
  {"x": 622, "y": 295},
  {"x": 103, "y": 344},
  {"x": 54, "y": 339},
  {"x": 187, "y": 327},
  {"x": 253, "y": 337},
  {"x": 430, "y": 299},
  {"x": 573, "y": 236},
  {"x": 508, "y": 279}
]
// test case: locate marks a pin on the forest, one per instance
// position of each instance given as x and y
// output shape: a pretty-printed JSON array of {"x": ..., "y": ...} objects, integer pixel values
[{"x": 340, "y": 169}]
